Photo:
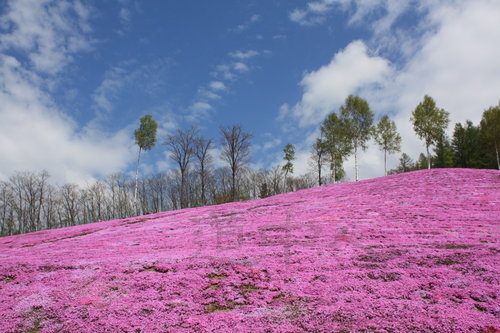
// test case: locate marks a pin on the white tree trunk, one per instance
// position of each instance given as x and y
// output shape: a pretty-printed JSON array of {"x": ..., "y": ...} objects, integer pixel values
[
  {"x": 498, "y": 161},
  {"x": 428, "y": 157},
  {"x": 137, "y": 179},
  {"x": 356, "y": 161},
  {"x": 385, "y": 162}
]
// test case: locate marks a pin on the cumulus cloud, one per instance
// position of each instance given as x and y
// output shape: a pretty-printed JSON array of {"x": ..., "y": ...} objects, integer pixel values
[
  {"x": 48, "y": 33},
  {"x": 34, "y": 133},
  {"x": 455, "y": 61},
  {"x": 326, "y": 88}
]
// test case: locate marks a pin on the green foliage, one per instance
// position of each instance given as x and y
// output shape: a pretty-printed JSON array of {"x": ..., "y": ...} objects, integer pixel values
[
  {"x": 405, "y": 163},
  {"x": 289, "y": 151},
  {"x": 490, "y": 130},
  {"x": 429, "y": 122},
  {"x": 336, "y": 144},
  {"x": 357, "y": 120},
  {"x": 145, "y": 135},
  {"x": 264, "y": 190},
  {"x": 387, "y": 136},
  {"x": 466, "y": 146},
  {"x": 319, "y": 151},
  {"x": 421, "y": 163},
  {"x": 444, "y": 153}
]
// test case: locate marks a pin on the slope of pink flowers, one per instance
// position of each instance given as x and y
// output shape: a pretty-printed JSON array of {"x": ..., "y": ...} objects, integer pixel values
[{"x": 412, "y": 252}]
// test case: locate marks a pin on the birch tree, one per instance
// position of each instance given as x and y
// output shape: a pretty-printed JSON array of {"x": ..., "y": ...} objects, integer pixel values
[
  {"x": 145, "y": 138},
  {"x": 289, "y": 157},
  {"x": 357, "y": 119},
  {"x": 429, "y": 123},
  {"x": 387, "y": 138},
  {"x": 336, "y": 144}
]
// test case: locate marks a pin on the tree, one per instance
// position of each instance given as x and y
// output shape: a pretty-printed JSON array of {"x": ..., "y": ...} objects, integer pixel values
[
  {"x": 444, "y": 153},
  {"x": 235, "y": 151},
  {"x": 490, "y": 129},
  {"x": 466, "y": 146},
  {"x": 145, "y": 138},
  {"x": 201, "y": 148},
  {"x": 318, "y": 156},
  {"x": 422, "y": 162},
  {"x": 387, "y": 138},
  {"x": 336, "y": 144},
  {"x": 429, "y": 123},
  {"x": 357, "y": 119},
  {"x": 405, "y": 163},
  {"x": 289, "y": 157},
  {"x": 263, "y": 191},
  {"x": 181, "y": 147}
]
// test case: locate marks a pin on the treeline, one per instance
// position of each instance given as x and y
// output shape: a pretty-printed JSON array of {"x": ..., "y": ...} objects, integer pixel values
[
  {"x": 347, "y": 133},
  {"x": 30, "y": 202}
]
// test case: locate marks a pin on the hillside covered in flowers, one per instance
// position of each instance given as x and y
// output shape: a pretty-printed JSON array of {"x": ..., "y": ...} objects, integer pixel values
[{"x": 410, "y": 252}]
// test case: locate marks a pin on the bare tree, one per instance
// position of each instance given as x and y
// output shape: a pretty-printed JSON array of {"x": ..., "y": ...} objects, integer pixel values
[
  {"x": 235, "y": 151},
  {"x": 202, "y": 147},
  {"x": 70, "y": 203},
  {"x": 181, "y": 147}
]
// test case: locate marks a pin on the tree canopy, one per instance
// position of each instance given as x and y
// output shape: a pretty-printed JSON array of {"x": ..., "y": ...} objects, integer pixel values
[
  {"x": 145, "y": 135},
  {"x": 387, "y": 138},
  {"x": 357, "y": 119},
  {"x": 429, "y": 123}
]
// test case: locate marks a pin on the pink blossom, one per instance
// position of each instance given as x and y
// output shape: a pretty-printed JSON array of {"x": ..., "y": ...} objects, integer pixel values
[{"x": 410, "y": 252}]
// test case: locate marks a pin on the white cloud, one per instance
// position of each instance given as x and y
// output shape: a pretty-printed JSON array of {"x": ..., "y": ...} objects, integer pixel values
[
  {"x": 327, "y": 88},
  {"x": 34, "y": 133},
  {"x": 217, "y": 85},
  {"x": 49, "y": 33},
  {"x": 201, "y": 107},
  {"x": 224, "y": 72},
  {"x": 241, "y": 67},
  {"x": 208, "y": 94},
  {"x": 253, "y": 19},
  {"x": 107, "y": 92},
  {"x": 244, "y": 54},
  {"x": 316, "y": 12},
  {"x": 455, "y": 60},
  {"x": 148, "y": 78},
  {"x": 125, "y": 15}
]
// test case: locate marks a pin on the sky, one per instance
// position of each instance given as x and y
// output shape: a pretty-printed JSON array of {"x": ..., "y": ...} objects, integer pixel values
[{"x": 76, "y": 76}]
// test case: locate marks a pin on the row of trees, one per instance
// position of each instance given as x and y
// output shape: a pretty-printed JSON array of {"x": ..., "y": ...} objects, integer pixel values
[
  {"x": 29, "y": 202},
  {"x": 348, "y": 132}
]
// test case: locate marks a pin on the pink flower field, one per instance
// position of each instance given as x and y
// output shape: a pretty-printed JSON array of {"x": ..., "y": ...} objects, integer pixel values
[{"x": 415, "y": 252}]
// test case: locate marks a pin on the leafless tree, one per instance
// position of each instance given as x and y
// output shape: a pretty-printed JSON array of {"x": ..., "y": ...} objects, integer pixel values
[
  {"x": 181, "y": 148},
  {"x": 70, "y": 203},
  {"x": 202, "y": 147},
  {"x": 235, "y": 151}
]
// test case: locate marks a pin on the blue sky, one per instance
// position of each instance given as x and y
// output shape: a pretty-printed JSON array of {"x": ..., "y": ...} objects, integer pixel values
[{"x": 76, "y": 76}]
